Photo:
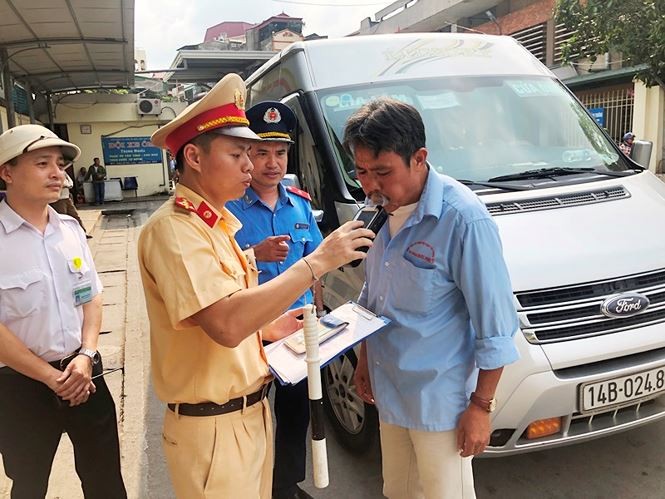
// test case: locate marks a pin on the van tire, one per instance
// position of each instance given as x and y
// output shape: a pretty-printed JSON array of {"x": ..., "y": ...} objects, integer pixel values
[{"x": 354, "y": 422}]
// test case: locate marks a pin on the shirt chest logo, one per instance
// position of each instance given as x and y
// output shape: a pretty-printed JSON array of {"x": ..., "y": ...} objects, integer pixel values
[
  {"x": 421, "y": 254},
  {"x": 303, "y": 226}
]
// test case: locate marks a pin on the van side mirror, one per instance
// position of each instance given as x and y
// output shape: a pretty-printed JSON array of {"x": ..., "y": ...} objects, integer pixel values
[
  {"x": 641, "y": 152},
  {"x": 291, "y": 179}
]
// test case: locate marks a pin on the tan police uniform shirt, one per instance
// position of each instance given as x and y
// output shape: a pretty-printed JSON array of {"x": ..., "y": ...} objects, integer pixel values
[{"x": 190, "y": 260}]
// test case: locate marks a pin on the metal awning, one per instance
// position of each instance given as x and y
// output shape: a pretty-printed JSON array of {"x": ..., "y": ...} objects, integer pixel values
[
  {"x": 62, "y": 45},
  {"x": 203, "y": 66}
]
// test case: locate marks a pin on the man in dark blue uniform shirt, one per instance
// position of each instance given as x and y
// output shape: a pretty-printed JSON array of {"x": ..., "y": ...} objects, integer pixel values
[{"x": 279, "y": 226}]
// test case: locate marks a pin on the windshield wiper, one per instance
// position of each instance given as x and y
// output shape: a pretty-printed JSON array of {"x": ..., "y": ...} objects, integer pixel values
[
  {"x": 502, "y": 186},
  {"x": 549, "y": 172}
]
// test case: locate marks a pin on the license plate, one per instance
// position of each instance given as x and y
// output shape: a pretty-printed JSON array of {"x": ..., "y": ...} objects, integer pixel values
[{"x": 625, "y": 389}]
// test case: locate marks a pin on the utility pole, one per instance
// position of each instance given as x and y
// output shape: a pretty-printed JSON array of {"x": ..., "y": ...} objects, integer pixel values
[{"x": 8, "y": 85}]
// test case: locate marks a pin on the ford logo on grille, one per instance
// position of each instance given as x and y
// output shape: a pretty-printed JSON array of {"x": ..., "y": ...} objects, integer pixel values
[{"x": 624, "y": 305}]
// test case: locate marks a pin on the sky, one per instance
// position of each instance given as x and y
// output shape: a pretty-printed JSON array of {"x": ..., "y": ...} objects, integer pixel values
[{"x": 162, "y": 27}]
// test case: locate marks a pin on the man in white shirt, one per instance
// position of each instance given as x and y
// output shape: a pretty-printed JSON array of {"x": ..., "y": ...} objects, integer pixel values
[{"x": 50, "y": 316}]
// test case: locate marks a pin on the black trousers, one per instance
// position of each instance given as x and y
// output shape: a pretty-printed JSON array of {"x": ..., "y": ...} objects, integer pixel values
[
  {"x": 292, "y": 415},
  {"x": 32, "y": 420}
]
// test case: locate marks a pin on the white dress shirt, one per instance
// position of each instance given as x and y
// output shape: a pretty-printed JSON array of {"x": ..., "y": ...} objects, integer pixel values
[{"x": 39, "y": 275}]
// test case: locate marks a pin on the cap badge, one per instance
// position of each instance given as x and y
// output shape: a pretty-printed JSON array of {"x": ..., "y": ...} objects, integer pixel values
[
  {"x": 239, "y": 99},
  {"x": 272, "y": 115}
]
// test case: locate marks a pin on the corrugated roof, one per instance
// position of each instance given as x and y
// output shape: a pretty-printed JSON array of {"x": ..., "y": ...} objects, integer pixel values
[{"x": 61, "y": 45}]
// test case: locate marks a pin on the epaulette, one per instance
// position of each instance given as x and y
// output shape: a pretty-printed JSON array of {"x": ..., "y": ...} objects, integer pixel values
[
  {"x": 299, "y": 192},
  {"x": 204, "y": 211}
]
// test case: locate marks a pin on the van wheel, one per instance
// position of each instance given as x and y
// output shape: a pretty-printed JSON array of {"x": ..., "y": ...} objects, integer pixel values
[{"x": 354, "y": 422}]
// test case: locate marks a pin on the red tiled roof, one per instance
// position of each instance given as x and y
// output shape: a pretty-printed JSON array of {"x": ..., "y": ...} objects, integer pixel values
[{"x": 231, "y": 28}]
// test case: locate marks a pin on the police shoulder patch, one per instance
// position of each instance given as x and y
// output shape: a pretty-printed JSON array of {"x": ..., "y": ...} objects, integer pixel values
[
  {"x": 184, "y": 203},
  {"x": 298, "y": 192}
]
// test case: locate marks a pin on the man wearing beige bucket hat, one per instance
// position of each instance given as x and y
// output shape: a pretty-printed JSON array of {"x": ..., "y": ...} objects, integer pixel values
[
  {"x": 207, "y": 314},
  {"x": 50, "y": 316}
]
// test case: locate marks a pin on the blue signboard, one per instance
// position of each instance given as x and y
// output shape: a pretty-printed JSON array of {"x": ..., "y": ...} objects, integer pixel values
[
  {"x": 598, "y": 114},
  {"x": 130, "y": 151}
]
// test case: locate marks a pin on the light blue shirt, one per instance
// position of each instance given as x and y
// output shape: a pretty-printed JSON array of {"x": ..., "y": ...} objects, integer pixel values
[
  {"x": 292, "y": 216},
  {"x": 444, "y": 284}
]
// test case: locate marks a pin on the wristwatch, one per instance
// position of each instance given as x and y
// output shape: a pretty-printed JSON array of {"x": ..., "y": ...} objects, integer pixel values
[
  {"x": 92, "y": 354},
  {"x": 486, "y": 404}
]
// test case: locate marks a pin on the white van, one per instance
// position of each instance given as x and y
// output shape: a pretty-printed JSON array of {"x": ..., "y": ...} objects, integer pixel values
[{"x": 583, "y": 227}]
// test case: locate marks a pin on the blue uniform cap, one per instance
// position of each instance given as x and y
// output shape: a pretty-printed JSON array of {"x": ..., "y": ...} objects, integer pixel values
[{"x": 272, "y": 121}]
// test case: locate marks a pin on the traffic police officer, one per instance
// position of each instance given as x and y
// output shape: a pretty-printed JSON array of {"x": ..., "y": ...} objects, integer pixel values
[
  {"x": 207, "y": 315},
  {"x": 279, "y": 225},
  {"x": 50, "y": 316}
]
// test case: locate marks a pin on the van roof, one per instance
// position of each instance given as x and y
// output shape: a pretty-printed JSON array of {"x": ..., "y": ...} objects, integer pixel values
[{"x": 360, "y": 59}]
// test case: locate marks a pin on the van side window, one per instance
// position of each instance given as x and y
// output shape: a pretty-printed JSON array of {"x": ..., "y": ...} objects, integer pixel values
[{"x": 304, "y": 160}]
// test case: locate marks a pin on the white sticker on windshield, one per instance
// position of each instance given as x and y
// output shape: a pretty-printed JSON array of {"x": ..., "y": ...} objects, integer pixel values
[
  {"x": 438, "y": 101},
  {"x": 533, "y": 88},
  {"x": 352, "y": 102}
]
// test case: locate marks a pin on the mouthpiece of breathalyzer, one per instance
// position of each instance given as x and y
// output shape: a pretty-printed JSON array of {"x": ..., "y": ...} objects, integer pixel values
[{"x": 377, "y": 199}]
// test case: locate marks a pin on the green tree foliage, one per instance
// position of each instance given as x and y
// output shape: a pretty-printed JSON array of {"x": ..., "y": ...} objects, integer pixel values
[{"x": 636, "y": 28}]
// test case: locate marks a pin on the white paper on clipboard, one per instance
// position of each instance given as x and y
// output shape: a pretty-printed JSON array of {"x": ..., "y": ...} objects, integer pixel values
[{"x": 289, "y": 368}]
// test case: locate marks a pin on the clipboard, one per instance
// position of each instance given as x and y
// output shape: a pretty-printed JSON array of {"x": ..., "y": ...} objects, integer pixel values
[{"x": 289, "y": 367}]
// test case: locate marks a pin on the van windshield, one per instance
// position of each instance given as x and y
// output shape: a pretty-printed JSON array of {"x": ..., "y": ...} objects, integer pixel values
[{"x": 479, "y": 128}]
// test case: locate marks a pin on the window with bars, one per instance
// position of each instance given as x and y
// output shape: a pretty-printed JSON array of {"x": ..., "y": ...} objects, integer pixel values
[
  {"x": 617, "y": 103},
  {"x": 561, "y": 35},
  {"x": 534, "y": 39}
]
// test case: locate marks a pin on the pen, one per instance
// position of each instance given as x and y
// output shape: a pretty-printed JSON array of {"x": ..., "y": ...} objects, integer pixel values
[{"x": 108, "y": 371}]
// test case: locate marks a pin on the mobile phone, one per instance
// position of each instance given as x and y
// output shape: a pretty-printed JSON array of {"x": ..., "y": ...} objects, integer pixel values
[{"x": 374, "y": 218}]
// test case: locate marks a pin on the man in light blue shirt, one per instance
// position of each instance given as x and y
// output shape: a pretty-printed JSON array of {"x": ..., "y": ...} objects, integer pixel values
[{"x": 436, "y": 270}]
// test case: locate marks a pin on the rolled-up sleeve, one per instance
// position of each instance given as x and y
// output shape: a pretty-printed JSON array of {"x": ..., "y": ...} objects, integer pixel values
[{"x": 484, "y": 281}]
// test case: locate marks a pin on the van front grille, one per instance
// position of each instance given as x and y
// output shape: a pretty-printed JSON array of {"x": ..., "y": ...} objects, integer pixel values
[
  {"x": 557, "y": 296},
  {"x": 562, "y": 201},
  {"x": 565, "y": 313}
]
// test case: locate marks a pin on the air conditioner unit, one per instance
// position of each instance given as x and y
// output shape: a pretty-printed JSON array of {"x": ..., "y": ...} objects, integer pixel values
[{"x": 149, "y": 106}]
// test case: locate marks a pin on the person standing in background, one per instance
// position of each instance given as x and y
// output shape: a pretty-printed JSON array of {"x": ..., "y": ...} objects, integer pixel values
[
  {"x": 626, "y": 145},
  {"x": 65, "y": 206},
  {"x": 97, "y": 173},
  {"x": 78, "y": 186},
  {"x": 278, "y": 224}
]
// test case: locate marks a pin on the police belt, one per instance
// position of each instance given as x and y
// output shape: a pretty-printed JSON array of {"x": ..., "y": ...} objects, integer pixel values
[{"x": 212, "y": 409}]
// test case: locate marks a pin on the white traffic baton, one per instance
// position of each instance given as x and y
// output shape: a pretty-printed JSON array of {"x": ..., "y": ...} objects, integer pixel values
[{"x": 319, "y": 451}]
